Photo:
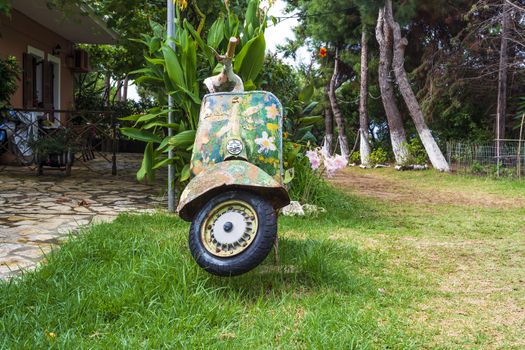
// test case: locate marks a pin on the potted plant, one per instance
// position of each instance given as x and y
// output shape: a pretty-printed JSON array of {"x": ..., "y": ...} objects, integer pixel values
[{"x": 54, "y": 149}]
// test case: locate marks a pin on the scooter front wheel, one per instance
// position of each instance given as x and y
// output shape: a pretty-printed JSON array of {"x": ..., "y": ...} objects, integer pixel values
[{"x": 233, "y": 233}]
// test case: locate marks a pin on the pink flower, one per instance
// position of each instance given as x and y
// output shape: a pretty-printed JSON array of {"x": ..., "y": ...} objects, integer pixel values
[
  {"x": 340, "y": 161},
  {"x": 333, "y": 164},
  {"x": 314, "y": 158},
  {"x": 320, "y": 157}
]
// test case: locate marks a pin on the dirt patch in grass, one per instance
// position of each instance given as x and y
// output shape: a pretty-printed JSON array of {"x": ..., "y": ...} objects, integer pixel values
[{"x": 374, "y": 184}]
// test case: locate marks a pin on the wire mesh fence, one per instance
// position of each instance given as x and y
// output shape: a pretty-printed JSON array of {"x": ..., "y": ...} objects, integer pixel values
[{"x": 502, "y": 158}]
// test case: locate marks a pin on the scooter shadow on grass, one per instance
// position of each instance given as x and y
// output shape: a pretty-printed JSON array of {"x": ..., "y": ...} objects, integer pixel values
[{"x": 304, "y": 265}]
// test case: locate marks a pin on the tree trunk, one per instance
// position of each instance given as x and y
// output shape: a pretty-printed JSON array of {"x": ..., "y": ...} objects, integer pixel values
[
  {"x": 107, "y": 89},
  {"x": 125, "y": 89},
  {"x": 434, "y": 153},
  {"x": 118, "y": 96},
  {"x": 364, "y": 149},
  {"x": 395, "y": 122},
  {"x": 328, "y": 125},
  {"x": 502, "y": 79},
  {"x": 338, "y": 115}
]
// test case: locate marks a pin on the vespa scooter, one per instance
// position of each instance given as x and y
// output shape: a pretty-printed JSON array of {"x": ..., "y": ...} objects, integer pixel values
[{"x": 236, "y": 190}]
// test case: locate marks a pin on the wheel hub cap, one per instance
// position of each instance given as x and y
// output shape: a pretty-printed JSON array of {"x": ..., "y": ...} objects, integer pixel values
[{"x": 229, "y": 228}]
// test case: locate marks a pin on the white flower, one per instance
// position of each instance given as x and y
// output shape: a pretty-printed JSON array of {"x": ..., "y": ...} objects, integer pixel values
[{"x": 266, "y": 143}]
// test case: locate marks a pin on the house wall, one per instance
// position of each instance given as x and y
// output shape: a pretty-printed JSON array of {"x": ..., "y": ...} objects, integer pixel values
[{"x": 17, "y": 34}]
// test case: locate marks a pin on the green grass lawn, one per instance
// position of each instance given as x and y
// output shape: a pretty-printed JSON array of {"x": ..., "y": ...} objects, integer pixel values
[{"x": 371, "y": 273}]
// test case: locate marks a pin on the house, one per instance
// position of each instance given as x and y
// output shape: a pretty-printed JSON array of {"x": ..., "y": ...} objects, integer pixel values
[{"x": 43, "y": 41}]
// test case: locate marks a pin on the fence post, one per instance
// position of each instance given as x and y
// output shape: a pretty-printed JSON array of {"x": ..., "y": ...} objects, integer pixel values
[
  {"x": 459, "y": 155},
  {"x": 114, "y": 145},
  {"x": 449, "y": 153},
  {"x": 519, "y": 145}
]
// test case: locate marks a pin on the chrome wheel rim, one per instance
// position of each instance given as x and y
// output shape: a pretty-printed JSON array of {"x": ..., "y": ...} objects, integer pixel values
[{"x": 229, "y": 228}]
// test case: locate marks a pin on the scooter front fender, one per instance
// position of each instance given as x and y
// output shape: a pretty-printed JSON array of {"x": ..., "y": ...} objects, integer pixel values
[{"x": 228, "y": 175}]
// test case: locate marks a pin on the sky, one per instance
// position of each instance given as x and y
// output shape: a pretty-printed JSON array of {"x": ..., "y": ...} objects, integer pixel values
[
  {"x": 277, "y": 35},
  {"x": 274, "y": 35}
]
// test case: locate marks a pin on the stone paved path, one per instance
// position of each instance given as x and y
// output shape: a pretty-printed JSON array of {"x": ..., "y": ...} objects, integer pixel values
[{"x": 37, "y": 213}]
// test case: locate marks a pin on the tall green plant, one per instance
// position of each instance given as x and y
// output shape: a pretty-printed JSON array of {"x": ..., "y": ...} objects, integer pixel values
[
  {"x": 9, "y": 76},
  {"x": 175, "y": 72}
]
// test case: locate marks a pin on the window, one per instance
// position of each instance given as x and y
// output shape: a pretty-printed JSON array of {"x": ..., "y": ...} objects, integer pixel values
[{"x": 38, "y": 80}]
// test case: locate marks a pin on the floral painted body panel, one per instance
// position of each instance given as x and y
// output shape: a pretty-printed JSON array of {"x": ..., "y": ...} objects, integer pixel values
[
  {"x": 255, "y": 118},
  {"x": 232, "y": 174}
]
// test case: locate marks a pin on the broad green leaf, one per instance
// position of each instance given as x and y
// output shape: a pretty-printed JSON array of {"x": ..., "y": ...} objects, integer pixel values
[
  {"x": 141, "y": 174},
  {"x": 164, "y": 143},
  {"x": 145, "y": 78},
  {"x": 148, "y": 117},
  {"x": 204, "y": 47},
  {"x": 250, "y": 60},
  {"x": 251, "y": 19},
  {"x": 185, "y": 173},
  {"x": 146, "y": 43},
  {"x": 160, "y": 124},
  {"x": 218, "y": 68},
  {"x": 216, "y": 33},
  {"x": 233, "y": 26},
  {"x": 307, "y": 121},
  {"x": 173, "y": 67},
  {"x": 132, "y": 118},
  {"x": 158, "y": 29},
  {"x": 308, "y": 109},
  {"x": 165, "y": 162},
  {"x": 307, "y": 92},
  {"x": 155, "y": 61},
  {"x": 194, "y": 97},
  {"x": 140, "y": 135},
  {"x": 147, "y": 163},
  {"x": 190, "y": 65},
  {"x": 183, "y": 139},
  {"x": 154, "y": 45},
  {"x": 289, "y": 175},
  {"x": 141, "y": 71},
  {"x": 249, "y": 86},
  {"x": 309, "y": 137},
  {"x": 291, "y": 151}
]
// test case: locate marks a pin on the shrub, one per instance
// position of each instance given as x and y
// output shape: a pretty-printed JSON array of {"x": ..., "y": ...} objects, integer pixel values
[
  {"x": 355, "y": 158},
  {"x": 307, "y": 186},
  {"x": 417, "y": 155},
  {"x": 378, "y": 156},
  {"x": 9, "y": 75},
  {"x": 477, "y": 168}
]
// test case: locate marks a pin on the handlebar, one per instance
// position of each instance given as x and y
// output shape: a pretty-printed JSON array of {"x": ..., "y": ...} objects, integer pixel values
[{"x": 231, "y": 47}]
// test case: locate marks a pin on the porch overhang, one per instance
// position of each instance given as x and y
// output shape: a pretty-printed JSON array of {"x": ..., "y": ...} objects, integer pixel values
[{"x": 76, "y": 23}]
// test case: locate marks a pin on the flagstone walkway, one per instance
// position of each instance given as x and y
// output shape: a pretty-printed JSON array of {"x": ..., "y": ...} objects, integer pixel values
[{"x": 37, "y": 213}]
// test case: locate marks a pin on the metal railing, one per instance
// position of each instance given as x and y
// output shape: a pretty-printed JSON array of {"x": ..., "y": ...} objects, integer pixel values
[{"x": 38, "y": 138}]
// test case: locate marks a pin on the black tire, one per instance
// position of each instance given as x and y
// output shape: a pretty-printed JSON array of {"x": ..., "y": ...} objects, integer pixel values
[{"x": 255, "y": 252}]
